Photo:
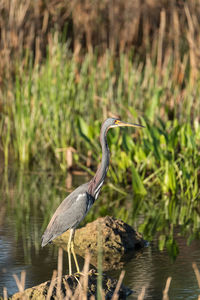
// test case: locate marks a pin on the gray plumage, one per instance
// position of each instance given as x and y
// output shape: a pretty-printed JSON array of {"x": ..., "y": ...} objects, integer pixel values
[
  {"x": 69, "y": 213},
  {"x": 75, "y": 206}
]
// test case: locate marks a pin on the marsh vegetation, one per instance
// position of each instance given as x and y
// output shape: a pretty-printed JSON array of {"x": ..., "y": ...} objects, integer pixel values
[{"x": 59, "y": 83}]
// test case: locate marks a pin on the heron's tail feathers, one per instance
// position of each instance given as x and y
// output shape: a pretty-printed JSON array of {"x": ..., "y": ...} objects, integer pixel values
[{"x": 46, "y": 239}]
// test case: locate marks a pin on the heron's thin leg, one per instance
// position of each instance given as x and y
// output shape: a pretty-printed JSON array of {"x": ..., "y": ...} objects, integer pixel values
[
  {"x": 74, "y": 254},
  {"x": 69, "y": 250}
]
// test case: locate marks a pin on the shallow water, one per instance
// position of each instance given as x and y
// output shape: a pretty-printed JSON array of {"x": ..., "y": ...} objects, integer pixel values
[
  {"x": 20, "y": 250},
  {"x": 153, "y": 267}
]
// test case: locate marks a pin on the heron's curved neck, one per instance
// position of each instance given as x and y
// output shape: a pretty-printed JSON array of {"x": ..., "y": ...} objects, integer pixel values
[{"x": 98, "y": 180}]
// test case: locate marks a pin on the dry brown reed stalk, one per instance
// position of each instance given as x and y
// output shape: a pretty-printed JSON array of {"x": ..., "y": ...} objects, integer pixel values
[
  {"x": 5, "y": 293},
  {"x": 50, "y": 290},
  {"x": 68, "y": 292},
  {"x": 176, "y": 26},
  {"x": 69, "y": 182},
  {"x": 197, "y": 273},
  {"x": 121, "y": 277},
  {"x": 78, "y": 291},
  {"x": 165, "y": 292},
  {"x": 152, "y": 27},
  {"x": 21, "y": 283},
  {"x": 142, "y": 294},
  {"x": 191, "y": 42},
  {"x": 160, "y": 40},
  {"x": 85, "y": 275},
  {"x": 60, "y": 266}
]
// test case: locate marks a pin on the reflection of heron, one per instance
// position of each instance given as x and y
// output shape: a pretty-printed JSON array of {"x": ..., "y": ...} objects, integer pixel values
[{"x": 75, "y": 207}]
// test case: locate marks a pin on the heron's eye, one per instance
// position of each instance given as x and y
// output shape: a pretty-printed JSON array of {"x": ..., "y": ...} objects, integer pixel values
[{"x": 117, "y": 122}]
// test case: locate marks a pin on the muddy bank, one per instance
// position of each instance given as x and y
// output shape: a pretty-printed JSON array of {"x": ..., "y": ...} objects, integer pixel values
[
  {"x": 116, "y": 238},
  {"x": 71, "y": 285}
]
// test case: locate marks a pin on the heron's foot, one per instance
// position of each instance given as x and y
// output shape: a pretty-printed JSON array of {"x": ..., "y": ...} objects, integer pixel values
[
  {"x": 95, "y": 273},
  {"x": 77, "y": 277},
  {"x": 78, "y": 274}
]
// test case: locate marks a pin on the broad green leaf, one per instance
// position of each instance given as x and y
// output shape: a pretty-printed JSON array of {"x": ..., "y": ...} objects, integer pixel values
[{"x": 137, "y": 183}]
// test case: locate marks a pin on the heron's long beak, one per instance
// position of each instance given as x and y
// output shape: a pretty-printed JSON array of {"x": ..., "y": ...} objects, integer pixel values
[{"x": 123, "y": 124}]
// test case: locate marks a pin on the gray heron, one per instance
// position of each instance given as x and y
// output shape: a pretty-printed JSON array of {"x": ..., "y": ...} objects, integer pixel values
[{"x": 75, "y": 206}]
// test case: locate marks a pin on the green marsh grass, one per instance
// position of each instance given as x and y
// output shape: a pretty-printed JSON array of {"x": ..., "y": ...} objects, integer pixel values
[
  {"x": 63, "y": 102},
  {"x": 61, "y": 105}
]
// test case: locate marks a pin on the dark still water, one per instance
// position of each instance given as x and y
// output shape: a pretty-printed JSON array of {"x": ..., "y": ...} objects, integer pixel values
[{"x": 25, "y": 201}]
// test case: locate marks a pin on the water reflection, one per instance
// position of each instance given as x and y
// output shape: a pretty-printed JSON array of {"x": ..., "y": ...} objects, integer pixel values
[
  {"x": 150, "y": 269},
  {"x": 26, "y": 205},
  {"x": 153, "y": 268}
]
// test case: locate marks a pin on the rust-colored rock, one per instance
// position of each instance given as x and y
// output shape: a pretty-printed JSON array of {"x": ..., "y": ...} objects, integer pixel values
[
  {"x": 117, "y": 239},
  {"x": 70, "y": 284}
]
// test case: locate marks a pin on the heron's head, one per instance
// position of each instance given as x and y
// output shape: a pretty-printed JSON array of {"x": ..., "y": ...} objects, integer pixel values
[{"x": 113, "y": 122}]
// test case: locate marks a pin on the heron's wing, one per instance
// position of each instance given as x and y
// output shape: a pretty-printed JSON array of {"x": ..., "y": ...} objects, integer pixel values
[{"x": 68, "y": 215}]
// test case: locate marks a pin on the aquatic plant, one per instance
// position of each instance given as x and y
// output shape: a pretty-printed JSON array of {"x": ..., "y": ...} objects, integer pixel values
[{"x": 51, "y": 121}]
